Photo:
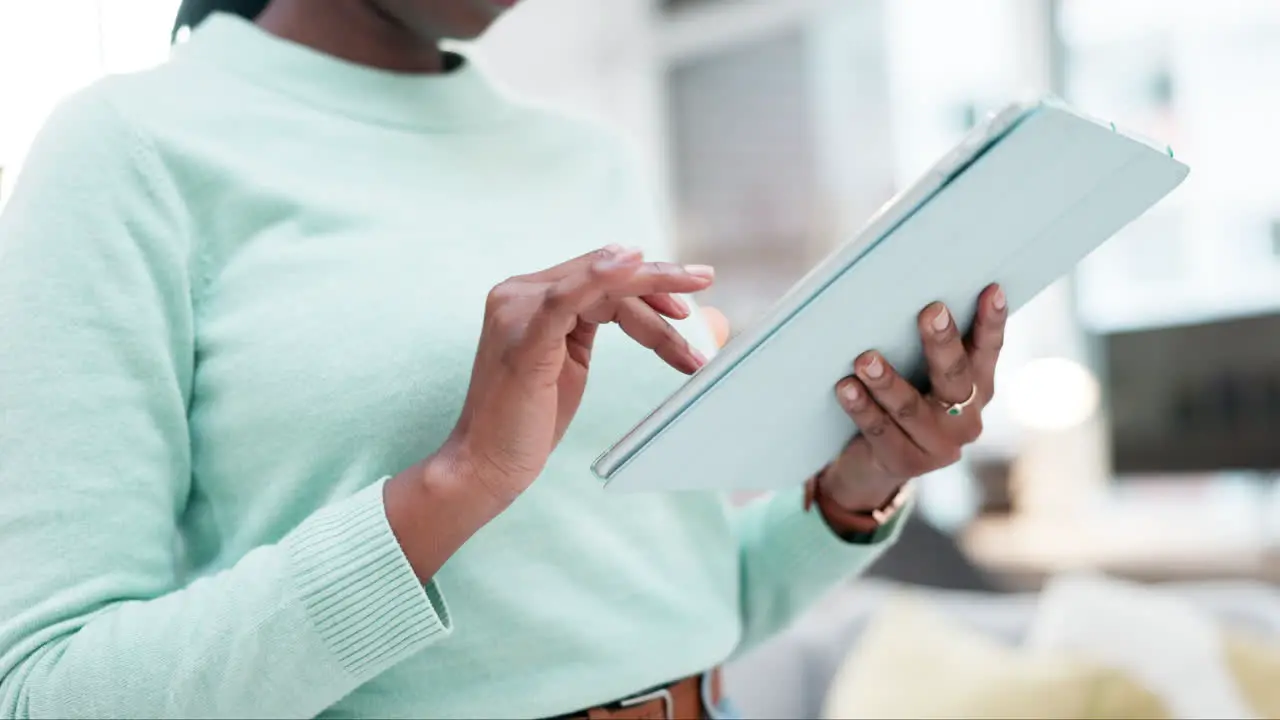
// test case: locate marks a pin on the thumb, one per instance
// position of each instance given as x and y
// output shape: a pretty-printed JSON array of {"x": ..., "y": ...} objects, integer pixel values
[{"x": 718, "y": 323}]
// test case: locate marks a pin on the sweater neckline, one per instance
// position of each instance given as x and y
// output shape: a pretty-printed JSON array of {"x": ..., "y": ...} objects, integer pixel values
[{"x": 459, "y": 98}]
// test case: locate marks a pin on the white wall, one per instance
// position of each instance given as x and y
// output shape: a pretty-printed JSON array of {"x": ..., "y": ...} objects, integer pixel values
[{"x": 49, "y": 48}]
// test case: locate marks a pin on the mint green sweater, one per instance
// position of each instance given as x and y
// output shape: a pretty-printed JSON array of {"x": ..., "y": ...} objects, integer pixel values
[{"x": 237, "y": 290}]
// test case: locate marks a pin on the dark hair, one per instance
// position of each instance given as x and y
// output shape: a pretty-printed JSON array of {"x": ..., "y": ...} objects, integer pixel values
[{"x": 193, "y": 12}]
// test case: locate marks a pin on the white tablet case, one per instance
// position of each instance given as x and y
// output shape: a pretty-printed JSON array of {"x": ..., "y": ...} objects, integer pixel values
[{"x": 1023, "y": 214}]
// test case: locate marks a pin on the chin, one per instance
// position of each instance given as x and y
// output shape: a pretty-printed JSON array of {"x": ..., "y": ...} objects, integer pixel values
[
  {"x": 465, "y": 32},
  {"x": 450, "y": 19},
  {"x": 480, "y": 16}
]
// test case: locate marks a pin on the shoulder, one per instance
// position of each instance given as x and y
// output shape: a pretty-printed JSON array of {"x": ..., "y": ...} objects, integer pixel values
[
  {"x": 93, "y": 167},
  {"x": 101, "y": 131},
  {"x": 84, "y": 128}
]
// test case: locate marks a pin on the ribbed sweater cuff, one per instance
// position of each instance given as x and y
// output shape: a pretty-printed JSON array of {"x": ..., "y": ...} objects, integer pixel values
[{"x": 361, "y": 594}]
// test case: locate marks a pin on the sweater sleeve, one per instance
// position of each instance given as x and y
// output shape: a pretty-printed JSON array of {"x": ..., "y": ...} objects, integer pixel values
[
  {"x": 96, "y": 363},
  {"x": 789, "y": 558}
]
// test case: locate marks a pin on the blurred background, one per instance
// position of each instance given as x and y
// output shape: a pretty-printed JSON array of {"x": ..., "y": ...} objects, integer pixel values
[{"x": 1137, "y": 430}]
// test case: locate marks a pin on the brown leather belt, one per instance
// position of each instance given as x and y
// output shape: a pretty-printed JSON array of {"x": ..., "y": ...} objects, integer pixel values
[{"x": 681, "y": 700}]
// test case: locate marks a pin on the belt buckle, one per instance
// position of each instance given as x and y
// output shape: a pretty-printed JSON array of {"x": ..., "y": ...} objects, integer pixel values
[{"x": 663, "y": 694}]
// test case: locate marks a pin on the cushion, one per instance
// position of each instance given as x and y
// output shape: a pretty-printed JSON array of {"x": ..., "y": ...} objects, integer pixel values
[
  {"x": 916, "y": 662},
  {"x": 1255, "y": 665},
  {"x": 1170, "y": 645}
]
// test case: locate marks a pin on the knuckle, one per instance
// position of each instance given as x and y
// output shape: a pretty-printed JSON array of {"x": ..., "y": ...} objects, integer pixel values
[
  {"x": 514, "y": 334},
  {"x": 957, "y": 368},
  {"x": 496, "y": 318},
  {"x": 672, "y": 274},
  {"x": 603, "y": 312},
  {"x": 554, "y": 299},
  {"x": 877, "y": 426},
  {"x": 595, "y": 272},
  {"x": 508, "y": 358},
  {"x": 908, "y": 409},
  {"x": 501, "y": 294},
  {"x": 505, "y": 317}
]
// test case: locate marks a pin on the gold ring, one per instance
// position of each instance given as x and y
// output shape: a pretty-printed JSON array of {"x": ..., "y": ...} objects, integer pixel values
[{"x": 957, "y": 409}]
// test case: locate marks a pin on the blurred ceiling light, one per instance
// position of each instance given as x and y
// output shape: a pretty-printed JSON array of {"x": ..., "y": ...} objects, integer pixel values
[{"x": 1052, "y": 394}]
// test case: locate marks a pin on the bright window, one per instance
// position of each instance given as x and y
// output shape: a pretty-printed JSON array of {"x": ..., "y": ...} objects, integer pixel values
[{"x": 50, "y": 48}]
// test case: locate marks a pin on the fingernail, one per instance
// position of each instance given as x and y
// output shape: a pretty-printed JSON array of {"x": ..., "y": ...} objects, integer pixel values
[
  {"x": 874, "y": 369},
  {"x": 697, "y": 355},
  {"x": 613, "y": 249},
  {"x": 999, "y": 301},
  {"x": 849, "y": 393},
  {"x": 681, "y": 305},
  {"x": 942, "y": 320},
  {"x": 702, "y": 271}
]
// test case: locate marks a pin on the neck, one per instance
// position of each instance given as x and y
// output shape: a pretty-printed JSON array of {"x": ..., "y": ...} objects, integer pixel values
[{"x": 354, "y": 30}]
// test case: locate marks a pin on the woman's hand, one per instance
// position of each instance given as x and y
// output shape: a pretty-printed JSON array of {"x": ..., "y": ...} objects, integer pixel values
[
  {"x": 535, "y": 349},
  {"x": 905, "y": 434}
]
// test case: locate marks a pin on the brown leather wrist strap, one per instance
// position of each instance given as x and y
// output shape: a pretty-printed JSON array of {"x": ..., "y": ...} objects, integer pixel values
[{"x": 851, "y": 525}]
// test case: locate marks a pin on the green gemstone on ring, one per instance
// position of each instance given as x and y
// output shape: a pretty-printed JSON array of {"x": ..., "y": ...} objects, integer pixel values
[{"x": 953, "y": 411}]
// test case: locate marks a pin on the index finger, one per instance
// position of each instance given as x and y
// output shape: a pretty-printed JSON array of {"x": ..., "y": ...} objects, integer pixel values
[
  {"x": 621, "y": 276},
  {"x": 583, "y": 261}
]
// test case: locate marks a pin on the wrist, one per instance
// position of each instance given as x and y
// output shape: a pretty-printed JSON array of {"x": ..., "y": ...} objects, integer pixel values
[
  {"x": 856, "y": 495},
  {"x": 433, "y": 508},
  {"x": 450, "y": 477},
  {"x": 859, "y": 522}
]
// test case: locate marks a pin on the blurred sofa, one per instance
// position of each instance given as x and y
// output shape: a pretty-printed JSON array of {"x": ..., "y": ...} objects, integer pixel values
[{"x": 791, "y": 675}]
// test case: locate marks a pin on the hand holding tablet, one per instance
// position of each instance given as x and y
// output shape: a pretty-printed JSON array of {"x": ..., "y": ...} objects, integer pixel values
[{"x": 903, "y": 432}]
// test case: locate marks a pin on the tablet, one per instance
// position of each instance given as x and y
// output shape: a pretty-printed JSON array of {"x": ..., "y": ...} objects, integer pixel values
[{"x": 1020, "y": 201}]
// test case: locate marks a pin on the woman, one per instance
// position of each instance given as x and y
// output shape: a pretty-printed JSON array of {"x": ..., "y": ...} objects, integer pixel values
[{"x": 293, "y": 325}]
